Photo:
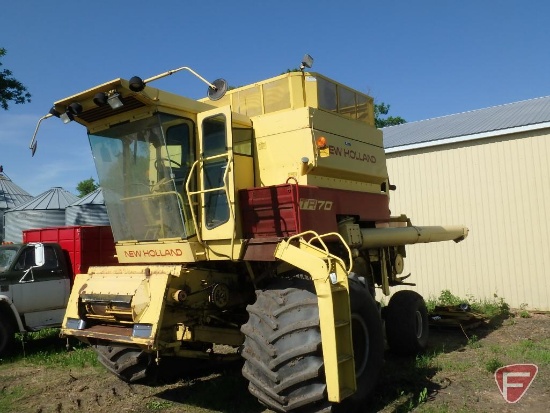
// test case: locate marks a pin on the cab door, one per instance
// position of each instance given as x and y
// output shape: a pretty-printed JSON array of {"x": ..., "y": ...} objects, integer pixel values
[{"x": 216, "y": 173}]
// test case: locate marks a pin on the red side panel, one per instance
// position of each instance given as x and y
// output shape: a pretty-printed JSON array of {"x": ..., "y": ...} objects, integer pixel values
[
  {"x": 84, "y": 245},
  {"x": 284, "y": 210},
  {"x": 270, "y": 211}
]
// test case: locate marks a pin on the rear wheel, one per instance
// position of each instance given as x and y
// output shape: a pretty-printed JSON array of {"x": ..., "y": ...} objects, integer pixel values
[
  {"x": 407, "y": 328},
  {"x": 7, "y": 336},
  {"x": 283, "y": 348},
  {"x": 128, "y": 363}
]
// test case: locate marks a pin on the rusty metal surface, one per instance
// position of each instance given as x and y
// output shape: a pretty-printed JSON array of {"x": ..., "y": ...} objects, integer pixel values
[{"x": 111, "y": 333}]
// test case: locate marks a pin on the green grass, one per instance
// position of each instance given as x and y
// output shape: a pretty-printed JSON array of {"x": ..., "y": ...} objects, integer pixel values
[
  {"x": 458, "y": 366},
  {"x": 531, "y": 351},
  {"x": 46, "y": 348},
  {"x": 9, "y": 397}
]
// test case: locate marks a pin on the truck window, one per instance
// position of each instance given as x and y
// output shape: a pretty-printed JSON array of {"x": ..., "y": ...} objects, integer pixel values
[
  {"x": 26, "y": 259},
  {"x": 7, "y": 255}
]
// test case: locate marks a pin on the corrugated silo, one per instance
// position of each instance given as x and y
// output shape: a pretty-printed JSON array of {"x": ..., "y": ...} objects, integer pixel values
[
  {"x": 11, "y": 195},
  {"x": 46, "y": 210},
  {"x": 88, "y": 210}
]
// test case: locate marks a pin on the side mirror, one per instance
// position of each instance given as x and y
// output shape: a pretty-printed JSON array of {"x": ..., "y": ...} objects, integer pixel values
[{"x": 39, "y": 258}]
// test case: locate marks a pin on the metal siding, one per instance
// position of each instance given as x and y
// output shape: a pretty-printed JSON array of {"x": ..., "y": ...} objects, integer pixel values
[
  {"x": 88, "y": 210},
  {"x": 499, "y": 188},
  {"x": 90, "y": 214},
  {"x": 17, "y": 221}
]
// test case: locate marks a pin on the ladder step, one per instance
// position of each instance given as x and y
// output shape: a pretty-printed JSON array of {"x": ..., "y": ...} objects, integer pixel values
[
  {"x": 336, "y": 288},
  {"x": 341, "y": 323},
  {"x": 342, "y": 358}
]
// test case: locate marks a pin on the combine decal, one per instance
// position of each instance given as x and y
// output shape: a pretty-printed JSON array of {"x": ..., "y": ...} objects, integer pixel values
[
  {"x": 351, "y": 154},
  {"x": 315, "y": 205},
  {"x": 169, "y": 252}
]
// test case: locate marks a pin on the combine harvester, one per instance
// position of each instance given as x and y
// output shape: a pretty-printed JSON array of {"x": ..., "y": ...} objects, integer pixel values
[{"x": 256, "y": 218}]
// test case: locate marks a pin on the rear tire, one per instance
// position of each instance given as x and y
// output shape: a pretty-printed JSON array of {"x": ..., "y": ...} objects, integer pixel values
[
  {"x": 407, "y": 327},
  {"x": 283, "y": 348},
  {"x": 7, "y": 337},
  {"x": 127, "y": 363}
]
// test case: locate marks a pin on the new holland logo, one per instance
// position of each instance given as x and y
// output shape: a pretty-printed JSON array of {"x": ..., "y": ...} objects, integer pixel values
[{"x": 514, "y": 380}]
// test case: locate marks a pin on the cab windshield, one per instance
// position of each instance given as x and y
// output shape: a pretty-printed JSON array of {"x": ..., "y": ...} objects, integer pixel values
[
  {"x": 142, "y": 168},
  {"x": 7, "y": 255}
]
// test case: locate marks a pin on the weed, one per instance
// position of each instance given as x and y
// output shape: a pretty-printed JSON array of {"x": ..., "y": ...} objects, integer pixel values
[
  {"x": 158, "y": 404},
  {"x": 426, "y": 360},
  {"x": 423, "y": 396},
  {"x": 473, "y": 341},
  {"x": 493, "y": 365},
  {"x": 447, "y": 298},
  {"x": 488, "y": 308},
  {"x": 523, "y": 313}
]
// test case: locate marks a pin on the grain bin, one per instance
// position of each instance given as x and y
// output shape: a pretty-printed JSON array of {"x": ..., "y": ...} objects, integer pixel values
[
  {"x": 45, "y": 210},
  {"x": 11, "y": 195},
  {"x": 88, "y": 210}
]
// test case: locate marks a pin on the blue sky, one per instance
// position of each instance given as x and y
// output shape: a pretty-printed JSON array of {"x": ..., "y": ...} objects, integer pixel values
[{"x": 425, "y": 58}]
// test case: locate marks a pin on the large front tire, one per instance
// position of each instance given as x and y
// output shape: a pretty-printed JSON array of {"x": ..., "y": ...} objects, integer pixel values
[
  {"x": 283, "y": 347},
  {"x": 407, "y": 326}
]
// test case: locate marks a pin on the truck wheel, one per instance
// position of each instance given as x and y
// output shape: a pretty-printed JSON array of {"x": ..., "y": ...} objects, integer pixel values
[
  {"x": 283, "y": 348},
  {"x": 128, "y": 363},
  {"x": 7, "y": 337},
  {"x": 407, "y": 328}
]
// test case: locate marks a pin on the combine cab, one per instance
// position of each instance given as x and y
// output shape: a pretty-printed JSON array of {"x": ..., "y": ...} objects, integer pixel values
[{"x": 257, "y": 219}]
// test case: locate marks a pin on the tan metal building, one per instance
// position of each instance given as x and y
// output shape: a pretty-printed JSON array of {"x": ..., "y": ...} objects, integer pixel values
[{"x": 489, "y": 170}]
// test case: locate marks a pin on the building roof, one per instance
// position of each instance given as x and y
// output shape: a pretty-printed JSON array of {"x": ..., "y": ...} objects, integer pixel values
[
  {"x": 93, "y": 198},
  {"x": 476, "y": 124},
  {"x": 54, "y": 199},
  {"x": 11, "y": 195}
]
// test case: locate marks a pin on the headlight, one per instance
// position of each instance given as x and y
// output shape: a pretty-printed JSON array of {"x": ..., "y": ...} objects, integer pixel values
[
  {"x": 75, "y": 324},
  {"x": 142, "y": 330}
]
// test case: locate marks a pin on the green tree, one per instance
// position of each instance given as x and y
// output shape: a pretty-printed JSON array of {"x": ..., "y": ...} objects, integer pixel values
[
  {"x": 382, "y": 109},
  {"x": 10, "y": 88},
  {"x": 86, "y": 187}
]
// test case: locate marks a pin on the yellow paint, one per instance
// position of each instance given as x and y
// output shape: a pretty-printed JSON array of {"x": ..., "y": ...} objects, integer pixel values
[{"x": 329, "y": 274}]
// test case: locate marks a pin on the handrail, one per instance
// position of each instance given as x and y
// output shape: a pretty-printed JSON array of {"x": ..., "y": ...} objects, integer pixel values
[
  {"x": 316, "y": 236},
  {"x": 225, "y": 188}
]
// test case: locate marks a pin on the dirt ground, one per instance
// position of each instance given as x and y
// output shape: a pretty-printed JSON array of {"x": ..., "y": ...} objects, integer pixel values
[{"x": 452, "y": 376}]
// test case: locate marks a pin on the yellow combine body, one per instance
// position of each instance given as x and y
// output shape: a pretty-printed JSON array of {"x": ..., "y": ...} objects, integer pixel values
[{"x": 256, "y": 219}]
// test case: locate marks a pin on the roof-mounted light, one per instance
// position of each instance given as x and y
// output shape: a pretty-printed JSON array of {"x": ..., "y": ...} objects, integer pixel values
[
  {"x": 100, "y": 99},
  {"x": 307, "y": 61},
  {"x": 136, "y": 84},
  {"x": 114, "y": 100},
  {"x": 66, "y": 117},
  {"x": 75, "y": 109},
  {"x": 53, "y": 112}
]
